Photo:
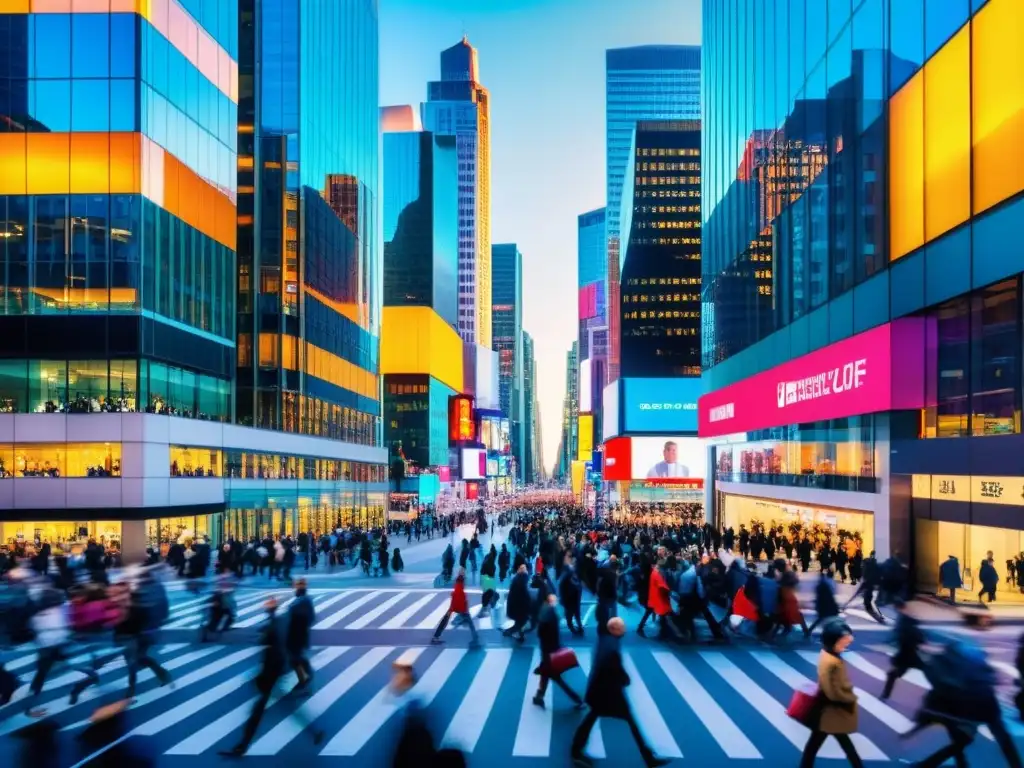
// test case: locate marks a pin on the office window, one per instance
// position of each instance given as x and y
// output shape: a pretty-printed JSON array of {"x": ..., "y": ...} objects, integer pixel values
[
  {"x": 951, "y": 374},
  {"x": 995, "y": 359}
]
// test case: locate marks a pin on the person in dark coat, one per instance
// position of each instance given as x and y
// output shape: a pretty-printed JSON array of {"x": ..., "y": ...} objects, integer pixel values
[
  {"x": 301, "y": 616},
  {"x": 825, "y": 604},
  {"x": 503, "y": 563},
  {"x": 949, "y": 577},
  {"x": 909, "y": 639},
  {"x": 570, "y": 593},
  {"x": 606, "y": 696},
  {"x": 274, "y": 664},
  {"x": 517, "y": 606},
  {"x": 989, "y": 578},
  {"x": 550, "y": 643}
]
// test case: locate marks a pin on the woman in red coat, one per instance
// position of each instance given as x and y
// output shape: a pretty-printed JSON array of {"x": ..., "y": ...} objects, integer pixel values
[
  {"x": 659, "y": 600},
  {"x": 460, "y": 607}
]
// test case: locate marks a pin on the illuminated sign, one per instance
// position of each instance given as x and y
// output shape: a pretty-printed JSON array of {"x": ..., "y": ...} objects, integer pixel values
[
  {"x": 666, "y": 406},
  {"x": 586, "y": 437},
  {"x": 980, "y": 489},
  {"x": 474, "y": 464},
  {"x": 848, "y": 378},
  {"x": 492, "y": 467},
  {"x": 461, "y": 427}
]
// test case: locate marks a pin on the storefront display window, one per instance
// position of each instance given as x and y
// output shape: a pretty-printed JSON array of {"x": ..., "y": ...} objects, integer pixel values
[
  {"x": 250, "y": 465},
  {"x": 936, "y": 540},
  {"x": 195, "y": 462},
  {"x": 54, "y": 460},
  {"x": 62, "y": 536}
]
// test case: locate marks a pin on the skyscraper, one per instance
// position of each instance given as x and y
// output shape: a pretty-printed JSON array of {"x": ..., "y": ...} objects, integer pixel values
[
  {"x": 309, "y": 292},
  {"x": 421, "y": 355},
  {"x": 650, "y": 82},
  {"x": 531, "y": 448},
  {"x": 570, "y": 416},
  {"x": 458, "y": 105},
  {"x": 660, "y": 305},
  {"x": 592, "y": 261},
  {"x": 507, "y": 320}
]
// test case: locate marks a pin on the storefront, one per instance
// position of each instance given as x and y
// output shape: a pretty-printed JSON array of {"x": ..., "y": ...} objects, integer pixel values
[
  {"x": 797, "y": 520},
  {"x": 61, "y": 535}
]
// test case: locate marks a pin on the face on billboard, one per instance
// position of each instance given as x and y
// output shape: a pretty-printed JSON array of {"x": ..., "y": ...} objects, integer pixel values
[
  {"x": 661, "y": 405},
  {"x": 668, "y": 458}
]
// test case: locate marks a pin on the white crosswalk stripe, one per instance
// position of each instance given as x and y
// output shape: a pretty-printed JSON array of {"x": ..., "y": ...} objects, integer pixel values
[
  {"x": 370, "y": 616},
  {"x": 533, "y": 736},
  {"x": 471, "y": 717},
  {"x": 653, "y": 725},
  {"x": 332, "y": 619},
  {"x": 595, "y": 744},
  {"x": 398, "y": 620}
]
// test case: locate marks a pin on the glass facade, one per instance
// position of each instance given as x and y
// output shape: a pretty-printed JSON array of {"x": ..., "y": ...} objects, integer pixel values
[
  {"x": 117, "y": 197},
  {"x": 650, "y": 82},
  {"x": 592, "y": 264},
  {"x": 531, "y": 417},
  {"x": 507, "y": 263},
  {"x": 421, "y": 241},
  {"x": 416, "y": 419},
  {"x": 862, "y": 167},
  {"x": 659, "y": 299},
  {"x": 310, "y": 274},
  {"x": 458, "y": 105}
]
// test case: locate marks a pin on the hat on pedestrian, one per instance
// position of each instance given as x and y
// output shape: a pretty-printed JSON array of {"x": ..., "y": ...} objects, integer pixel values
[{"x": 834, "y": 630}]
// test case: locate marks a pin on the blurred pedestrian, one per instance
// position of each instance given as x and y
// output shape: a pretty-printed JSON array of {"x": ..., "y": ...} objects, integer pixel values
[{"x": 837, "y": 706}]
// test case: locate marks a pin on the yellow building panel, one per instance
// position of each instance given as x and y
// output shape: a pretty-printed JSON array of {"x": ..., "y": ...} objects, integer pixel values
[
  {"x": 579, "y": 473},
  {"x": 585, "y": 447},
  {"x": 997, "y": 74},
  {"x": 906, "y": 168},
  {"x": 947, "y": 136},
  {"x": 416, "y": 340}
]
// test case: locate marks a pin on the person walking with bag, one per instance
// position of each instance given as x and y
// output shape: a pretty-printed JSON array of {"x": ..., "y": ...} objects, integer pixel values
[
  {"x": 606, "y": 697},
  {"x": 460, "y": 607},
  {"x": 555, "y": 659},
  {"x": 835, "y": 711}
]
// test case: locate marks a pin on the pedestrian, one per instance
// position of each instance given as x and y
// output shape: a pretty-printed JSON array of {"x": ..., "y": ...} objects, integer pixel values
[
  {"x": 554, "y": 658},
  {"x": 570, "y": 592},
  {"x": 517, "y": 605},
  {"x": 503, "y": 563},
  {"x": 272, "y": 668},
  {"x": 949, "y": 577},
  {"x": 989, "y": 578},
  {"x": 301, "y": 616},
  {"x": 836, "y": 713},
  {"x": 460, "y": 607},
  {"x": 825, "y": 604},
  {"x": 606, "y": 697}
]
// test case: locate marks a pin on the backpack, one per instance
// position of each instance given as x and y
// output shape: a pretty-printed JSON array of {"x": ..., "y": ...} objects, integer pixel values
[{"x": 153, "y": 606}]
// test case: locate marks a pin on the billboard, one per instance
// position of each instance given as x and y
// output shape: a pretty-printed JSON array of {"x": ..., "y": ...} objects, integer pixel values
[
  {"x": 474, "y": 464},
  {"x": 586, "y": 385},
  {"x": 490, "y": 432},
  {"x": 492, "y": 467},
  {"x": 586, "y": 437},
  {"x": 668, "y": 458},
  {"x": 661, "y": 405},
  {"x": 610, "y": 414},
  {"x": 848, "y": 378},
  {"x": 618, "y": 462},
  {"x": 461, "y": 426}
]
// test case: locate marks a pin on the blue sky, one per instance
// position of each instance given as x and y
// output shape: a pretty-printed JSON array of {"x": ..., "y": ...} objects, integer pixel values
[{"x": 543, "y": 62}]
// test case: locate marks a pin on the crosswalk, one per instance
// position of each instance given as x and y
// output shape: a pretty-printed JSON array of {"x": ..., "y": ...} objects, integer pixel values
[
  {"x": 392, "y": 609},
  {"x": 695, "y": 705}
]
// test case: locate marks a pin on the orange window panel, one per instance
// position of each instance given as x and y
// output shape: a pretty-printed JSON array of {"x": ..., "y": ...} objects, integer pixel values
[
  {"x": 207, "y": 208},
  {"x": 268, "y": 349},
  {"x": 947, "y": 136},
  {"x": 51, "y": 6},
  {"x": 49, "y": 163},
  {"x": 15, "y": 6},
  {"x": 170, "y": 175},
  {"x": 997, "y": 68},
  {"x": 13, "y": 161},
  {"x": 125, "y": 163},
  {"x": 906, "y": 168},
  {"x": 90, "y": 163},
  {"x": 188, "y": 196},
  {"x": 289, "y": 353}
]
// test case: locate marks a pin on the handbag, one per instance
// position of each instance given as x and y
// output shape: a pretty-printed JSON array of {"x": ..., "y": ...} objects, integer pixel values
[
  {"x": 562, "y": 661},
  {"x": 805, "y": 705}
]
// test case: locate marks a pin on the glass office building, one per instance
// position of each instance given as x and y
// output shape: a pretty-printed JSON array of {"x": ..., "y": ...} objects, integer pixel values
[
  {"x": 507, "y": 320},
  {"x": 117, "y": 207},
  {"x": 421, "y": 242},
  {"x": 458, "y": 105},
  {"x": 660, "y": 281},
  {"x": 309, "y": 266},
  {"x": 119, "y": 276},
  {"x": 862, "y": 179},
  {"x": 649, "y": 82}
]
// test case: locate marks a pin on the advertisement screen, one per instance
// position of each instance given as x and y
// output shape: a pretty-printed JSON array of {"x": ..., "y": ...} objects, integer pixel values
[
  {"x": 474, "y": 464},
  {"x": 460, "y": 419},
  {"x": 585, "y": 387},
  {"x": 617, "y": 460},
  {"x": 661, "y": 405},
  {"x": 848, "y": 378},
  {"x": 610, "y": 417},
  {"x": 492, "y": 467},
  {"x": 586, "y": 437},
  {"x": 668, "y": 458},
  {"x": 490, "y": 433}
]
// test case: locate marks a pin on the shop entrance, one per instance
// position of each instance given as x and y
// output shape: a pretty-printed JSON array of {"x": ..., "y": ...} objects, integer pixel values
[{"x": 935, "y": 541}]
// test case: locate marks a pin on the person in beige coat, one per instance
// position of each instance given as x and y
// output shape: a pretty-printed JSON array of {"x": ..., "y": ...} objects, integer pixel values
[{"x": 837, "y": 713}]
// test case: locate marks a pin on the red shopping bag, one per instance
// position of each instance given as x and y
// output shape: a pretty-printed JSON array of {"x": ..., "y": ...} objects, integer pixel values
[
  {"x": 559, "y": 662},
  {"x": 803, "y": 707}
]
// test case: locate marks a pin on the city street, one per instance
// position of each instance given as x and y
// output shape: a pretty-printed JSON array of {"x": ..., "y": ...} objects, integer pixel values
[{"x": 697, "y": 704}]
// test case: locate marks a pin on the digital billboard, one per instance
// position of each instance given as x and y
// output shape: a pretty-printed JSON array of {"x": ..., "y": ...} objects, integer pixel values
[
  {"x": 492, "y": 467},
  {"x": 667, "y": 458},
  {"x": 490, "y": 432},
  {"x": 585, "y": 387},
  {"x": 665, "y": 406},
  {"x": 461, "y": 425},
  {"x": 849, "y": 378},
  {"x": 586, "y": 437},
  {"x": 474, "y": 464},
  {"x": 618, "y": 463},
  {"x": 610, "y": 414}
]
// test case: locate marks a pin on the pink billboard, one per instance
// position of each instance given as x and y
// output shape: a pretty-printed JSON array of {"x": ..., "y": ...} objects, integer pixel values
[{"x": 879, "y": 370}]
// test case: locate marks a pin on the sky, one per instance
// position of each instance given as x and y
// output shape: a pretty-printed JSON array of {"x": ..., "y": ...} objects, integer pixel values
[{"x": 543, "y": 63}]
